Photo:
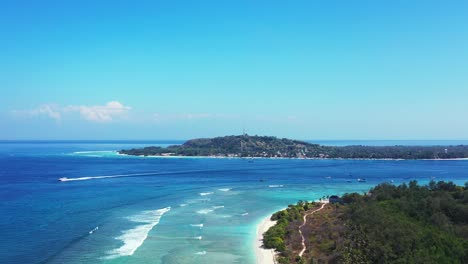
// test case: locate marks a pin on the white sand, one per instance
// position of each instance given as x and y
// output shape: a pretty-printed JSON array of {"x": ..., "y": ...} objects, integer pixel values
[{"x": 263, "y": 256}]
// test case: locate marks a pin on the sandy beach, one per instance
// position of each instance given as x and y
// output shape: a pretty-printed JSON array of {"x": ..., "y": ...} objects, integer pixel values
[{"x": 263, "y": 256}]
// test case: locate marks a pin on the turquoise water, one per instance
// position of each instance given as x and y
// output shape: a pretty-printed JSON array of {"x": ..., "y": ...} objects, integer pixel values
[{"x": 163, "y": 210}]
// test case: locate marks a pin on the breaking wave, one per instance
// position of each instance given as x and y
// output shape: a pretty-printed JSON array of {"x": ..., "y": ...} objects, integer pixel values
[
  {"x": 133, "y": 238},
  {"x": 205, "y": 211}
]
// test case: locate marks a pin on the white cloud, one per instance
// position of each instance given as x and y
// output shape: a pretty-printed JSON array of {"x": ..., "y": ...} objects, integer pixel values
[
  {"x": 48, "y": 110},
  {"x": 94, "y": 113},
  {"x": 100, "y": 113}
]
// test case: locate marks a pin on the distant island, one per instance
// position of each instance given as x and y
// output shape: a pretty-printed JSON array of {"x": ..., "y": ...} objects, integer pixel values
[
  {"x": 247, "y": 146},
  {"x": 408, "y": 223}
]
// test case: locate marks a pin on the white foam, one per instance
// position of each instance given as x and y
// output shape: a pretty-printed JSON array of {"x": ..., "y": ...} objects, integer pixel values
[
  {"x": 275, "y": 186},
  {"x": 197, "y": 225},
  {"x": 64, "y": 179},
  {"x": 109, "y": 176},
  {"x": 94, "y": 230},
  {"x": 244, "y": 214},
  {"x": 94, "y": 151},
  {"x": 136, "y": 175},
  {"x": 218, "y": 206},
  {"x": 206, "y": 193},
  {"x": 201, "y": 253},
  {"x": 198, "y": 238},
  {"x": 225, "y": 216},
  {"x": 225, "y": 189},
  {"x": 182, "y": 205},
  {"x": 133, "y": 238},
  {"x": 205, "y": 211}
]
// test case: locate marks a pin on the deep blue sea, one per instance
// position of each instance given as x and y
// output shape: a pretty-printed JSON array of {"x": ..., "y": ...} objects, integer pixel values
[{"x": 163, "y": 210}]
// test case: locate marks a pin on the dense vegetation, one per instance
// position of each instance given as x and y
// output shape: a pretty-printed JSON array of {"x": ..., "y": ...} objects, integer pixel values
[
  {"x": 288, "y": 221},
  {"x": 391, "y": 224},
  {"x": 262, "y": 146}
]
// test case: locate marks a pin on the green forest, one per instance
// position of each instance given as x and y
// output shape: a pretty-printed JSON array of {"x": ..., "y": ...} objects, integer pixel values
[
  {"x": 409, "y": 223},
  {"x": 272, "y": 147}
]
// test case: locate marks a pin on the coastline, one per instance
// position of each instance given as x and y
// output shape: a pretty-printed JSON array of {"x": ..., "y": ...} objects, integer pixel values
[
  {"x": 262, "y": 255},
  {"x": 273, "y": 158},
  {"x": 268, "y": 256}
]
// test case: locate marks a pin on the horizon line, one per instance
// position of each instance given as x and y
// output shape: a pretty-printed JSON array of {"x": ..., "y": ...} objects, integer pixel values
[{"x": 169, "y": 140}]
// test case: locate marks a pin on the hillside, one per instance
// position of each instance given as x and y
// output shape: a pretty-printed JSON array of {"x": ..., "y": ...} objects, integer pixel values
[
  {"x": 270, "y": 147},
  {"x": 391, "y": 224},
  {"x": 236, "y": 146}
]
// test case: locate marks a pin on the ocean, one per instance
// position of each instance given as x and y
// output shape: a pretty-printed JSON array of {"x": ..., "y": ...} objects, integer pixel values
[{"x": 122, "y": 209}]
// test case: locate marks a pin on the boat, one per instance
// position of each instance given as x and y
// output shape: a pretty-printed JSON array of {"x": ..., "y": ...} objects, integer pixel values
[
  {"x": 63, "y": 179},
  {"x": 361, "y": 180}
]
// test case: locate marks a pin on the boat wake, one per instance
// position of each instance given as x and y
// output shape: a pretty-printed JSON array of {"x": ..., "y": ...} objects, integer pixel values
[
  {"x": 155, "y": 173},
  {"x": 65, "y": 179},
  {"x": 133, "y": 238}
]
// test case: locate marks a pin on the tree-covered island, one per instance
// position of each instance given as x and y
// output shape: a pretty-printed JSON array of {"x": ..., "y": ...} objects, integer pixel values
[
  {"x": 408, "y": 223},
  {"x": 273, "y": 147}
]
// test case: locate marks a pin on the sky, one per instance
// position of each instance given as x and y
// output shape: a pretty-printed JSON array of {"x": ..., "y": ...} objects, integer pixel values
[{"x": 185, "y": 69}]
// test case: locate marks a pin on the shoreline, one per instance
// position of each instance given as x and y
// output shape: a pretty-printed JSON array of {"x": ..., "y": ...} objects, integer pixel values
[
  {"x": 268, "y": 256},
  {"x": 275, "y": 158},
  {"x": 262, "y": 255}
]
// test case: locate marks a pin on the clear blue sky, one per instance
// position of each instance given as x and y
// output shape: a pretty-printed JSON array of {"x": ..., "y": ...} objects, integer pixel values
[{"x": 183, "y": 69}]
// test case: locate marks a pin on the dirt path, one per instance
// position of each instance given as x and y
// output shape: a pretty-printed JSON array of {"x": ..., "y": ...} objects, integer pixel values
[{"x": 303, "y": 224}]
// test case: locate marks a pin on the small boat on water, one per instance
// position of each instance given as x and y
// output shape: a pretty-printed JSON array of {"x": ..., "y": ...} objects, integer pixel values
[
  {"x": 63, "y": 179},
  {"x": 361, "y": 180}
]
